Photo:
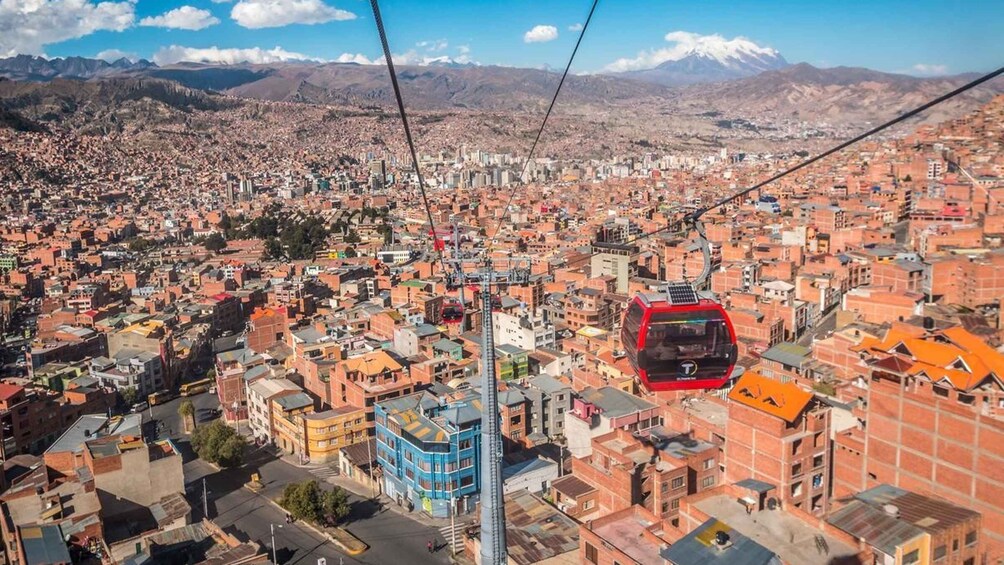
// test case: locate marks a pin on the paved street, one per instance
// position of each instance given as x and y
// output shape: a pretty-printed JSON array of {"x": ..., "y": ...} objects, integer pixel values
[{"x": 392, "y": 538}]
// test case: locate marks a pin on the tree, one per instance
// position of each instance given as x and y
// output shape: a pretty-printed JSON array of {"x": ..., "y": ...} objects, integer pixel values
[
  {"x": 215, "y": 243},
  {"x": 140, "y": 244},
  {"x": 353, "y": 237},
  {"x": 273, "y": 248},
  {"x": 303, "y": 500},
  {"x": 908, "y": 178},
  {"x": 219, "y": 443},
  {"x": 129, "y": 395},
  {"x": 186, "y": 411},
  {"x": 350, "y": 252},
  {"x": 308, "y": 501},
  {"x": 335, "y": 506}
]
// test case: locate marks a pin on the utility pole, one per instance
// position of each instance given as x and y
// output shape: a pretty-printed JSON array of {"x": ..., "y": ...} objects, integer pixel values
[
  {"x": 272, "y": 529},
  {"x": 463, "y": 302},
  {"x": 369, "y": 463},
  {"x": 517, "y": 271}
]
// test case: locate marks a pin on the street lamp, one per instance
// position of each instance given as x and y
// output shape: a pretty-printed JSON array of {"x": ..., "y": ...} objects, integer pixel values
[{"x": 272, "y": 528}]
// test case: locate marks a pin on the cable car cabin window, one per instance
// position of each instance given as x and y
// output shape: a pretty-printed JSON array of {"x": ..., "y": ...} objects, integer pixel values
[
  {"x": 687, "y": 335},
  {"x": 699, "y": 339},
  {"x": 632, "y": 325}
]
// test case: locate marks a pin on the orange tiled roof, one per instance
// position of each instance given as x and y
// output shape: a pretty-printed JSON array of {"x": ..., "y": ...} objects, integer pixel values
[
  {"x": 785, "y": 401},
  {"x": 372, "y": 363},
  {"x": 953, "y": 354}
]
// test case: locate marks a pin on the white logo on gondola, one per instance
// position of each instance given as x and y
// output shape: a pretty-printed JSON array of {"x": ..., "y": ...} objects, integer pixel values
[{"x": 688, "y": 368}]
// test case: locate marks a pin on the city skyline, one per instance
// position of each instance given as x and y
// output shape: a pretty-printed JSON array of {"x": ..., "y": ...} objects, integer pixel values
[{"x": 621, "y": 37}]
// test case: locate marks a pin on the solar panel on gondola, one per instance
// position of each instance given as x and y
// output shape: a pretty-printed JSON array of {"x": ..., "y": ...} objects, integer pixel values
[{"x": 681, "y": 294}]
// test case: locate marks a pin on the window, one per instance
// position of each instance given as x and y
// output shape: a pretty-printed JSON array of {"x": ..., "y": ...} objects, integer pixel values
[
  {"x": 467, "y": 481},
  {"x": 971, "y": 538},
  {"x": 466, "y": 462},
  {"x": 912, "y": 557},
  {"x": 940, "y": 552},
  {"x": 955, "y": 545},
  {"x": 969, "y": 561},
  {"x": 675, "y": 504},
  {"x": 665, "y": 507},
  {"x": 709, "y": 463},
  {"x": 796, "y": 489},
  {"x": 588, "y": 505},
  {"x": 708, "y": 482},
  {"x": 592, "y": 555},
  {"x": 465, "y": 444},
  {"x": 677, "y": 482}
]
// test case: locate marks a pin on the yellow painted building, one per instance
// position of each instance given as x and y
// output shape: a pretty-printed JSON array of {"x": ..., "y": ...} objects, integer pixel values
[
  {"x": 329, "y": 431},
  {"x": 287, "y": 422}
]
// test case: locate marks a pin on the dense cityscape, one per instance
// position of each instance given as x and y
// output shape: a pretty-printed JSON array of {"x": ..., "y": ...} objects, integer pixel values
[{"x": 230, "y": 335}]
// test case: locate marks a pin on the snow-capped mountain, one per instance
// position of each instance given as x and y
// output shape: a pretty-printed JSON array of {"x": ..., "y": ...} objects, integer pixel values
[{"x": 700, "y": 58}]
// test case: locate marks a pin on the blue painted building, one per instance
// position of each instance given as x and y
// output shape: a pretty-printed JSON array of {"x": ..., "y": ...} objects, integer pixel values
[{"x": 430, "y": 450}]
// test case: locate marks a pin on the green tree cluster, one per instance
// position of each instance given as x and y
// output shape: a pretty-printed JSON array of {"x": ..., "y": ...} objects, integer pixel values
[
  {"x": 140, "y": 245},
  {"x": 129, "y": 395},
  {"x": 219, "y": 443},
  {"x": 215, "y": 242},
  {"x": 308, "y": 501}
]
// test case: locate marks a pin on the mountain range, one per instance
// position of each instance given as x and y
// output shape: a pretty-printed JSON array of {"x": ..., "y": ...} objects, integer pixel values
[{"x": 752, "y": 84}]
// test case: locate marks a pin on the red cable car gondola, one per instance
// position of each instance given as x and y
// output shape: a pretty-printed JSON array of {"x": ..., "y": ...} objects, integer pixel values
[
  {"x": 678, "y": 341},
  {"x": 453, "y": 312}
]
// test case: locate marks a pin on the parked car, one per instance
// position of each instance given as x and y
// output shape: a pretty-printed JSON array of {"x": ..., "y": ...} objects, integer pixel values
[{"x": 139, "y": 407}]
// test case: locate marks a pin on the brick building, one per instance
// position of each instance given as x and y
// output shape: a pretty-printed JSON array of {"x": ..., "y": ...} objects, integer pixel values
[
  {"x": 933, "y": 423},
  {"x": 374, "y": 377},
  {"x": 780, "y": 435}
]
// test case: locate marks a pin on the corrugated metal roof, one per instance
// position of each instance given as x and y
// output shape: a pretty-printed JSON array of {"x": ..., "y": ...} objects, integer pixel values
[
  {"x": 878, "y": 528},
  {"x": 786, "y": 353},
  {"x": 44, "y": 545}
]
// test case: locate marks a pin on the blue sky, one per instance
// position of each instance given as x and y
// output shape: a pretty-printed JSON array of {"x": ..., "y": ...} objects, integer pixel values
[{"x": 920, "y": 36}]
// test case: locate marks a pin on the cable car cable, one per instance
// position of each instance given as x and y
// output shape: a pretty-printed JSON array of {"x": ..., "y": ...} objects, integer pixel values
[
  {"x": 852, "y": 141},
  {"x": 554, "y": 99},
  {"x": 407, "y": 130},
  {"x": 678, "y": 225}
]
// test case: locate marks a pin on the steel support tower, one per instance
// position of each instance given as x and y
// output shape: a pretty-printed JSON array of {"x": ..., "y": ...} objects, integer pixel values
[{"x": 485, "y": 275}]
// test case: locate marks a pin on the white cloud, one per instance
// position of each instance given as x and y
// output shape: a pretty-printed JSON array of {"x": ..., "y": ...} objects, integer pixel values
[
  {"x": 433, "y": 45},
  {"x": 463, "y": 49},
  {"x": 27, "y": 26},
  {"x": 686, "y": 43},
  {"x": 229, "y": 56},
  {"x": 112, "y": 55},
  {"x": 255, "y": 14},
  {"x": 925, "y": 69},
  {"x": 357, "y": 58},
  {"x": 575, "y": 27},
  {"x": 541, "y": 34},
  {"x": 221, "y": 1},
  {"x": 185, "y": 17}
]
